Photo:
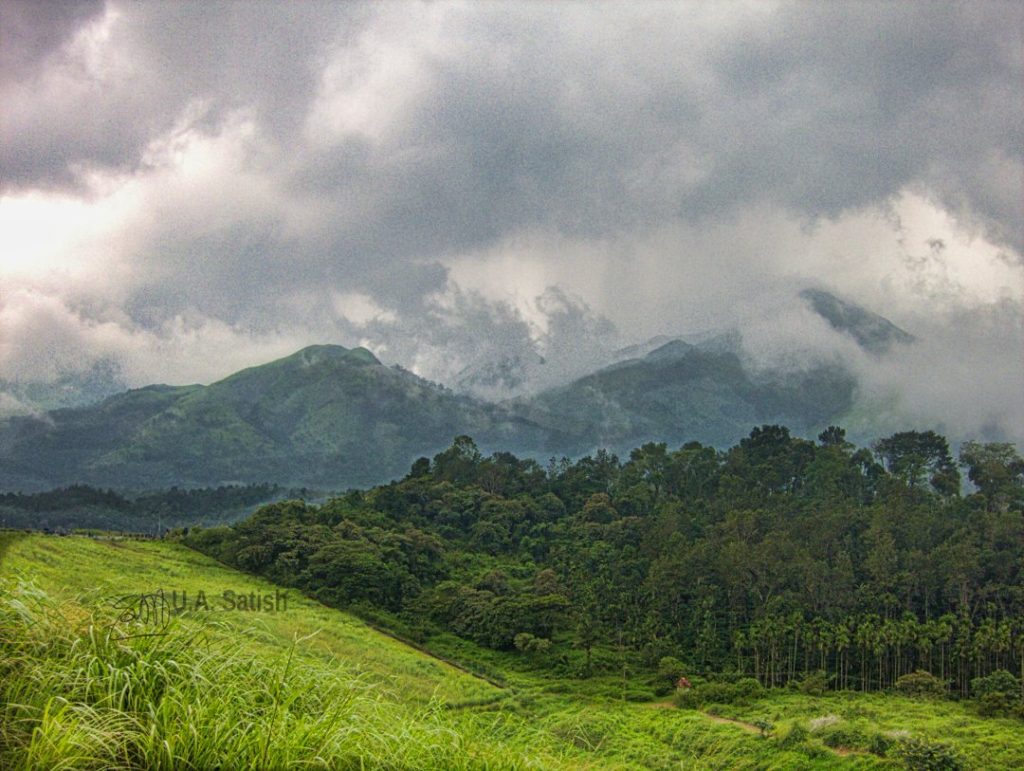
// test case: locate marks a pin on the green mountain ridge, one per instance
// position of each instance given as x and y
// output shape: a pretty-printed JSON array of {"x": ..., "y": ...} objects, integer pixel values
[
  {"x": 325, "y": 415},
  {"x": 681, "y": 392},
  {"x": 331, "y": 417}
]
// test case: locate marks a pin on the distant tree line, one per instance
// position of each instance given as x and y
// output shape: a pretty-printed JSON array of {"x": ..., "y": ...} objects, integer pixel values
[
  {"x": 81, "y": 506},
  {"x": 780, "y": 558}
]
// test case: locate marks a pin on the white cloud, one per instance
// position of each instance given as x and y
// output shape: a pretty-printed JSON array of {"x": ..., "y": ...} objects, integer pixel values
[{"x": 360, "y": 309}]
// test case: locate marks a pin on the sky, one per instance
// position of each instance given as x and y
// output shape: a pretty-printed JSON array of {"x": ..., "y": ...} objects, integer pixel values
[{"x": 189, "y": 188}]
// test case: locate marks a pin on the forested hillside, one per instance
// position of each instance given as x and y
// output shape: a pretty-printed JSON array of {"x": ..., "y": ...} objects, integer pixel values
[
  {"x": 326, "y": 416},
  {"x": 781, "y": 558}
]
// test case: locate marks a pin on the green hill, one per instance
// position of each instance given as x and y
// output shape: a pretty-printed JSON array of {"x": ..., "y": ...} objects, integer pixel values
[
  {"x": 108, "y": 570},
  {"x": 324, "y": 416},
  {"x": 681, "y": 392}
]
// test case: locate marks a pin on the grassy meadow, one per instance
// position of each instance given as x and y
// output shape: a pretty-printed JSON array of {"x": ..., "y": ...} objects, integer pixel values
[{"x": 89, "y": 681}]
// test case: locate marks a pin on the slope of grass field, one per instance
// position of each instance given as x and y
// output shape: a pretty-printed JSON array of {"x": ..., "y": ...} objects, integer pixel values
[
  {"x": 86, "y": 684},
  {"x": 96, "y": 573}
]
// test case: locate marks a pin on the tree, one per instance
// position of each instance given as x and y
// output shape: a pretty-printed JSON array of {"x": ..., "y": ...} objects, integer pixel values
[
  {"x": 996, "y": 470},
  {"x": 917, "y": 457},
  {"x": 647, "y": 466},
  {"x": 458, "y": 464},
  {"x": 834, "y": 436},
  {"x": 420, "y": 468}
]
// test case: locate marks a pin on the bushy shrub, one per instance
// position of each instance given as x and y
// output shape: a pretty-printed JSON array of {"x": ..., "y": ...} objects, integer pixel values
[
  {"x": 999, "y": 681},
  {"x": 748, "y": 688},
  {"x": 670, "y": 668},
  {"x": 766, "y": 727},
  {"x": 815, "y": 684},
  {"x": 655, "y": 650},
  {"x": 718, "y": 693},
  {"x": 925, "y": 755},
  {"x": 816, "y": 752},
  {"x": 999, "y": 705},
  {"x": 921, "y": 685},
  {"x": 998, "y": 694},
  {"x": 744, "y": 689},
  {"x": 662, "y": 687},
  {"x": 880, "y": 744},
  {"x": 844, "y": 736},
  {"x": 528, "y": 643},
  {"x": 794, "y": 737},
  {"x": 689, "y": 699}
]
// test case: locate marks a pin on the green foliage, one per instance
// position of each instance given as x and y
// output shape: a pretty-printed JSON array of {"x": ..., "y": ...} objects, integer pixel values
[
  {"x": 999, "y": 681},
  {"x": 880, "y": 744},
  {"x": 916, "y": 457},
  {"x": 84, "y": 687},
  {"x": 814, "y": 684},
  {"x": 795, "y": 736},
  {"x": 999, "y": 695},
  {"x": 528, "y": 643},
  {"x": 671, "y": 669},
  {"x": 999, "y": 704},
  {"x": 997, "y": 470},
  {"x": 212, "y": 689},
  {"x": 742, "y": 691},
  {"x": 923, "y": 755},
  {"x": 844, "y": 736},
  {"x": 84, "y": 507},
  {"x": 921, "y": 685},
  {"x": 778, "y": 559}
]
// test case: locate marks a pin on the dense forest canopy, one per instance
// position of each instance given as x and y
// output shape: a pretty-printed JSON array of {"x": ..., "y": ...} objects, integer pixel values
[{"x": 778, "y": 558}]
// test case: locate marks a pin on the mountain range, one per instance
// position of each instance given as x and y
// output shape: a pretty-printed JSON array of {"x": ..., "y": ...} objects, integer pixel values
[{"x": 328, "y": 416}]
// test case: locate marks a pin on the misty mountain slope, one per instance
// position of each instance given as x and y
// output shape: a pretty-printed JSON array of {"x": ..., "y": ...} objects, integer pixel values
[
  {"x": 40, "y": 451},
  {"x": 69, "y": 389},
  {"x": 874, "y": 333},
  {"x": 681, "y": 392},
  {"x": 329, "y": 416},
  {"x": 325, "y": 416}
]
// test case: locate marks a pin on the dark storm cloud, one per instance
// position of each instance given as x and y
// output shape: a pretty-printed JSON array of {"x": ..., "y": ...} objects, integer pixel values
[
  {"x": 848, "y": 103},
  {"x": 560, "y": 120},
  {"x": 35, "y": 29},
  {"x": 99, "y": 101},
  {"x": 585, "y": 120}
]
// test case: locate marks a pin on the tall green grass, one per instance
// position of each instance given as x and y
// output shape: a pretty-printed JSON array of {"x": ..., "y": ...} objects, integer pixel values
[
  {"x": 93, "y": 573},
  {"x": 80, "y": 689}
]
